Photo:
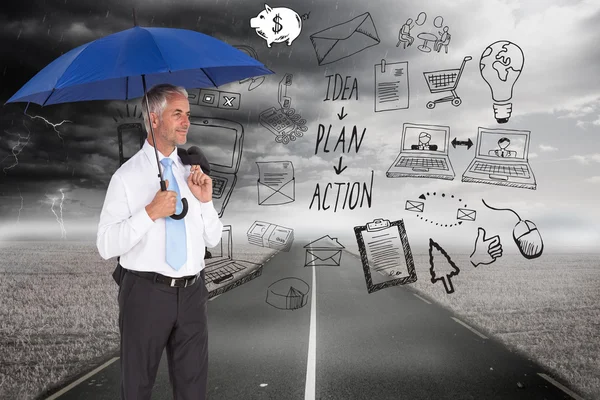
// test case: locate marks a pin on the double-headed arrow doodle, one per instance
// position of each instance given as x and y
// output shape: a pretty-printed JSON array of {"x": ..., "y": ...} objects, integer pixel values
[
  {"x": 341, "y": 115},
  {"x": 467, "y": 143},
  {"x": 338, "y": 170}
]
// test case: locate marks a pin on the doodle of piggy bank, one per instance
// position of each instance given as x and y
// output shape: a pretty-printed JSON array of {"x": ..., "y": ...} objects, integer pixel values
[{"x": 277, "y": 25}]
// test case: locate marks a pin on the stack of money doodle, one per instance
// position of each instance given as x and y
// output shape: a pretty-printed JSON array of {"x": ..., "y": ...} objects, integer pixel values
[{"x": 269, "y": 235}]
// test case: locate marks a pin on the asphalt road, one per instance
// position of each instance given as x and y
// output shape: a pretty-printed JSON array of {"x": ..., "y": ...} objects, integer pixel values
[{"x": 390, "y": 344}]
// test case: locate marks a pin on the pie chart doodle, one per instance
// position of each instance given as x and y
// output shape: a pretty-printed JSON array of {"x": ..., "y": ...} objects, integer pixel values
[{"x": 288, "y": 294}]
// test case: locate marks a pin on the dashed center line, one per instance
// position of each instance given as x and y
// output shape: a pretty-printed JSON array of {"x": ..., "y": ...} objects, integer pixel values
[
  {"x": 425, "y": 300},
  {"x": 469, "y": 328},
  {"x": 561, "y": 387},
  {"x": 83, "y": 378},
  {"x": 311, "y": 364}
]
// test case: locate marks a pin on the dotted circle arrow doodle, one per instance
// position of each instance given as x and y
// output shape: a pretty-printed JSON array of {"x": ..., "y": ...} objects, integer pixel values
[{"x": 424, "y": 197}]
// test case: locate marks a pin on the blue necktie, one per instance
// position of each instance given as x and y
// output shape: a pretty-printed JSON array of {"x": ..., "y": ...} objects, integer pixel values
[{"x": 175, "y": 229}]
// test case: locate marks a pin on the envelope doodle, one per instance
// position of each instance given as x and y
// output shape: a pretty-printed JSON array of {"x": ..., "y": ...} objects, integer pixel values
[
  {"x": 276, "y": 182},
  {"x": 416, "y": 206},
  {"x": 343, "y": 40},
  {"x": 325, "y": 251},
  {"x": 464, "y": 214}
]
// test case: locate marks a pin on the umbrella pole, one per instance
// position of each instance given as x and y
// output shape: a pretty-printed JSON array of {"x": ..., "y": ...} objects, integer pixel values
[{"x": 163, "y": 185}]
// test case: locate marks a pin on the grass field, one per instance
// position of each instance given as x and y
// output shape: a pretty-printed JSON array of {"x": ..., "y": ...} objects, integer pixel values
[
  {"x": 548, "y": 309},
  {"x": 58, "y": 319}
]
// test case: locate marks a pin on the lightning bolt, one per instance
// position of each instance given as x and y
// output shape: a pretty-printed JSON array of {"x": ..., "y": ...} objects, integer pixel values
[
  {"x": 63, "y": 234},
  {"x": 16, "y": 153},
  {"x": 20, "y": 209},
  {"x": 54, "y": 125}
]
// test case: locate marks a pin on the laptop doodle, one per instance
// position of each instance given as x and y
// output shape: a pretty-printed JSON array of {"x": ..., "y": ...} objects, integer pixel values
[
  {"x": 501, "y": 158},
  {"x": 221, "y": 140},
  {"x": 423, "y": 153},
  {"x": 223, "y": 272}
]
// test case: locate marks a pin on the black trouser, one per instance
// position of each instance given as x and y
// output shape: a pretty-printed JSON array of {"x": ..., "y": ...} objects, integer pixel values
[{"x": 153, "y": 316}]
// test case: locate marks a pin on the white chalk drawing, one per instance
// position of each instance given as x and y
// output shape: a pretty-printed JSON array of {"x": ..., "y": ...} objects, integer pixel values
[
  {"x": 501, "y": 158},
  {"x": 501, "y": 65},
  {"x": 276, "y": 183},
  {"x": 215, "y": 98},
  {"x": 486, "y": 250},
  {"x": 288, "y": 294},
  {"x": 325, "y": 251},
  {"x": 276, "y": 25},
  {"x": 265, "y": 234},
  {"x": 445, "y": 80},
  {"x": 223, "y": 272},
  {"x": 423, "y": 153},
  {"x": 391, "y": 86},
  {"x": 384, "y": 249},
  {"x": 526, "y": 235},
  {"x": 344, "y": 40}
]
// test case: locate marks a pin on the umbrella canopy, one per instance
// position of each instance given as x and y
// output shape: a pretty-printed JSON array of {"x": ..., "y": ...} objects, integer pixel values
[{"x": 111, "y": 68}]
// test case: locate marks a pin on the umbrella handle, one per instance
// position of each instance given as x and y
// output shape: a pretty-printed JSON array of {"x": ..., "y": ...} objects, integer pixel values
[{"x": 163, "y": 187}]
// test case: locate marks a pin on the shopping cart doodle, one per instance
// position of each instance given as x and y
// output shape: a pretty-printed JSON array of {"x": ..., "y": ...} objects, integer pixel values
[{"x": 445, "y": 80}]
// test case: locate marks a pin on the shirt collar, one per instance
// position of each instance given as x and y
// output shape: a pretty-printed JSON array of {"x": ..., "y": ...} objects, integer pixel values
[{"x": 149, "y": 150}]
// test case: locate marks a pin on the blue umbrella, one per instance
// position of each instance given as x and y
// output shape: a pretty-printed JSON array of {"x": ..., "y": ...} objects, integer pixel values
[{"x": 119, "y": 66}]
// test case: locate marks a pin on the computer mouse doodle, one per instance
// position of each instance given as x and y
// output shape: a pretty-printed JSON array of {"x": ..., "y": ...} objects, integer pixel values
[{"x": 526, "y": 236}]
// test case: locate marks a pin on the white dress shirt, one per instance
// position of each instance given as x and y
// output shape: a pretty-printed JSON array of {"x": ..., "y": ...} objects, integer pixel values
[{"x": 126, "y": 230}]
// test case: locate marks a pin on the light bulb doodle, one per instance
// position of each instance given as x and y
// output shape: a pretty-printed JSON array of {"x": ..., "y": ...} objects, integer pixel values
[{"x": 500, "y": 66}]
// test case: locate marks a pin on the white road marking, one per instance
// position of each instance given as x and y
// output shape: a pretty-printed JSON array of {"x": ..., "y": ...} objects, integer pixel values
[
  {"x": 311, "y": 364},
  {"x": 469, "y": 328},
  {"x": 561, "y": 387},
  {"x": 83, "y": 378},
  {"x": 426, "y": 301}
]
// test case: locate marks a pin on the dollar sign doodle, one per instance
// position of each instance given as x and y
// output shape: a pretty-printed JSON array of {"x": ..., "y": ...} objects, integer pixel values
[{"x": 278, "y": 27}]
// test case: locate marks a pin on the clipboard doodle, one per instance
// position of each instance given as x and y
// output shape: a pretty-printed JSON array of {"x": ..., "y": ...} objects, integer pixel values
[{"x": 384, "y": 249}]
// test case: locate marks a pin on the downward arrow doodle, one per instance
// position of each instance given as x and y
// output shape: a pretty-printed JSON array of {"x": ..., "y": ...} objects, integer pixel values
[
  {"x": 338, "y": 170},
  {"x": 341, "y": 115}
]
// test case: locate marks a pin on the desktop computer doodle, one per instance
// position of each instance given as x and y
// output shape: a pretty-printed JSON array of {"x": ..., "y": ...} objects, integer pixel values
[
  {"x": 221, "y": 140},
  {"x": 501, "y": 158},
  {"x": 223, "y": 272},
  {"x": 423, "y": 153}
]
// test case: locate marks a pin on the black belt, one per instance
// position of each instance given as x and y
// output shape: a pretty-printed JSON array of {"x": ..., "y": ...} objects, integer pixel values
[{"x": 184, "y": 281}]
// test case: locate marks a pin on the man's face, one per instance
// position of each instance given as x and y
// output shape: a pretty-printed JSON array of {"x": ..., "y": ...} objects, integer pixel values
[{"x": 173, "y": 126}]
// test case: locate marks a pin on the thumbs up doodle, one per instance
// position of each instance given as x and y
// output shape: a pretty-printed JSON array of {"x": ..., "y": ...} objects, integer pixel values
[{"x": 486, "y": 251}]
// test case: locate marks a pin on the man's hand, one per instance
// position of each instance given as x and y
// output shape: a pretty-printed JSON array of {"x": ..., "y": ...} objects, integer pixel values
[
  {"x": 163, "y": 205},
  {"x": 200, "y": 184}
]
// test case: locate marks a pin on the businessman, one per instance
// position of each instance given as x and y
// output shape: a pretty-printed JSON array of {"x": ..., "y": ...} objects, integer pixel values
[{"x": 162, "y": 294}]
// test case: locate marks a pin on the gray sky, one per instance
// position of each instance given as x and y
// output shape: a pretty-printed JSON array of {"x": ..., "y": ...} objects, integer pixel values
[{"x": 557, "y": 98}]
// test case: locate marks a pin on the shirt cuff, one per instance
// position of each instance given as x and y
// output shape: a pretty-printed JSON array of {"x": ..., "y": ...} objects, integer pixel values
[
  {"x": 141, "y": 221},
  {"x": 208, "y": 208}
]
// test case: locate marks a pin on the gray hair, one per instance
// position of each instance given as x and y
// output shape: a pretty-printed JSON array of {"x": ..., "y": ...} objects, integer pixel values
[{"x": 157, "y": 100}]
